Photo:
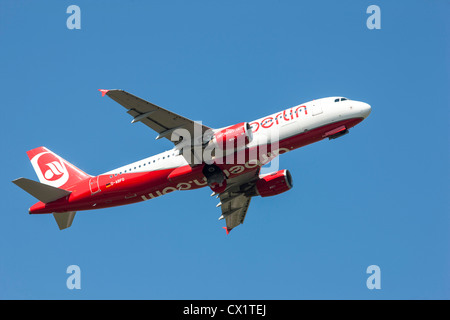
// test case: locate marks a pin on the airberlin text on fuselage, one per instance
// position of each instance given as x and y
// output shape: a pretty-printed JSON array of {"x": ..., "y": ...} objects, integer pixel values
[
  {"x": 234, "y": 170},
  {"x": 270, "y": 121}
]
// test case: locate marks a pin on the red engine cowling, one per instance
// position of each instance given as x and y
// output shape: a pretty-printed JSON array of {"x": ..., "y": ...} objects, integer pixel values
[
  {"x": 274, "y": 183},
  {"x": 234, "y": 137}
]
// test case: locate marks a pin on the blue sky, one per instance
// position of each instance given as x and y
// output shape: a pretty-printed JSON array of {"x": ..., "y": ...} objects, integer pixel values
[{"x": 378, "y": 196}]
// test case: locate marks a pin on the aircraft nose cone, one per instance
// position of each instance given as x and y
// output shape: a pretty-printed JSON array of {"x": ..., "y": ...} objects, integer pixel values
[{"x": 365, "y": 109}]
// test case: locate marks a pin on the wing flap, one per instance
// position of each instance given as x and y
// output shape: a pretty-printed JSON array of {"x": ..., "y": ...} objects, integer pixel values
[
  {"x": 235, "y": 200},
  {"x": 235, "y": 210}
]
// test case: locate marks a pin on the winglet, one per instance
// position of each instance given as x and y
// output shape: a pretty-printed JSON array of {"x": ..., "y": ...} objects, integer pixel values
[
  {"x": 227, "y": 230},
  {"x": 103, "y": 91}
]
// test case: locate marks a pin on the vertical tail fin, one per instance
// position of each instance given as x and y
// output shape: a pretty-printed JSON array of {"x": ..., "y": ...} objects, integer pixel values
[
  {"x": 64, "y": 219},
  {"x": 53, "y": 170}
]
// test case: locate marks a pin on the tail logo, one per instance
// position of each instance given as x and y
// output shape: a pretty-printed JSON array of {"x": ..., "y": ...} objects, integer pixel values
[
  {"x": 50, "y": 169},
  {"x": 54, "y": 172}
]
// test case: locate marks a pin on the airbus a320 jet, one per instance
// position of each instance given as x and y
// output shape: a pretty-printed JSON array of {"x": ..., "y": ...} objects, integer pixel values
[{"x": 227, "y": 160}]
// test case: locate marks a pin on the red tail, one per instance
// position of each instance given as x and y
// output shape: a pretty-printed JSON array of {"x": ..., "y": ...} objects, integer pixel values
[{"x": 53, "y": 170}]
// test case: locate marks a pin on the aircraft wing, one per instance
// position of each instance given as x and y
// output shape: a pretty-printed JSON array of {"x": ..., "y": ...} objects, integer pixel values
[
  {"x": 163, "y": 121},
  {"x": 235, "y": 200},
  {"x": 235, "y": 209}
]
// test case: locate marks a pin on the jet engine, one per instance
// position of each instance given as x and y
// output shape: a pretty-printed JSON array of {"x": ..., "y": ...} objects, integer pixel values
[
  {"x": 233, "y": 137},
  {"x": 273, "y": 183}
]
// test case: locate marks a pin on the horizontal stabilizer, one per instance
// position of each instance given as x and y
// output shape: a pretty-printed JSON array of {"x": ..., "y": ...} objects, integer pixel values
[
  {"x": 64, "y": 219},
  {"x": 40, "y": 191}
]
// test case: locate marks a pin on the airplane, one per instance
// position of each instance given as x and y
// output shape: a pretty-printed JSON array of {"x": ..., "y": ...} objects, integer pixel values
[{"x": 228, "y": 160}]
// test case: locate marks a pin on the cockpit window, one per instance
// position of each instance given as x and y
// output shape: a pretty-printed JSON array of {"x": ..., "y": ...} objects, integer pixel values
[
  {"x": 343, "y": 99},
  {"x": 337, "y": 100}
]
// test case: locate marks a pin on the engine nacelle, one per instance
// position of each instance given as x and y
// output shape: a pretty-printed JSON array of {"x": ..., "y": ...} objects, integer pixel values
[
  {"x": 234, "y": 137},
  {"x": 274, "y": 183}
]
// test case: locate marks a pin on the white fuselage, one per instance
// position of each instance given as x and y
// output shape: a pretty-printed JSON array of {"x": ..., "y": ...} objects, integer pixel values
[{"x": 275, "y": 127}]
